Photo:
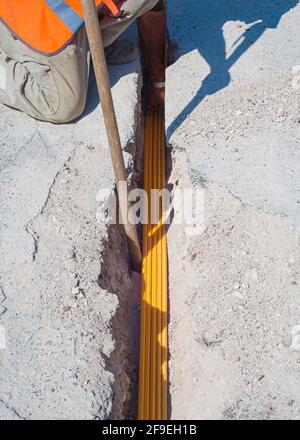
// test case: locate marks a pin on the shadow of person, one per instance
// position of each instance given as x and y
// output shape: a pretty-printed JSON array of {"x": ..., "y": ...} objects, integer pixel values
[{"x": 200, "y": 26}]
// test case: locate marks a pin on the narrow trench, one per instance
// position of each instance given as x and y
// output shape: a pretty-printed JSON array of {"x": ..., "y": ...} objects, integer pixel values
[{"x": 117, "y": 278}]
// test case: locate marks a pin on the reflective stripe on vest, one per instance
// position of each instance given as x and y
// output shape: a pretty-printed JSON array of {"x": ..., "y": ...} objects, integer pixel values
[
  {"x": 66, "y": 13},
  {"x": 46, "y": 26}
]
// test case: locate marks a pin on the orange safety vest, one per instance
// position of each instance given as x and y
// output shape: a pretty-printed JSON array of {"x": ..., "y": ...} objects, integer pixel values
[{"x": 46, "y": 26}]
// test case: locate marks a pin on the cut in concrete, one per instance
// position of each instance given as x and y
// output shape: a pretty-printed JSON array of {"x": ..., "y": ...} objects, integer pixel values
[
  {"x": 233, "y": 125},
  {"x": 64, "y": 355}
]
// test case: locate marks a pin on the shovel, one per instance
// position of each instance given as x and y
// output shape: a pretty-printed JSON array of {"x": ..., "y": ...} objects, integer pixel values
[{"x": 101, "y": 72}]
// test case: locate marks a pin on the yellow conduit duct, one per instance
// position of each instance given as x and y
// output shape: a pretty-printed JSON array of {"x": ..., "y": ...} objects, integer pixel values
[{"x": 153, "y": 375}]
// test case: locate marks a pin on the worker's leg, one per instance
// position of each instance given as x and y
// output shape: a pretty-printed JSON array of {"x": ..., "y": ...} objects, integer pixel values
[
  {"x": 153, "y": 32},
  {"x": 47, "y": 88},
  {"x": 151, "y": 17},
  {"x": 132, "y": 9}
]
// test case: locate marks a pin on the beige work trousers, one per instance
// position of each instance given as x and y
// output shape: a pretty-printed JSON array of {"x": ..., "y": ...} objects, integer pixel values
[{"x": 54, "y": 88}]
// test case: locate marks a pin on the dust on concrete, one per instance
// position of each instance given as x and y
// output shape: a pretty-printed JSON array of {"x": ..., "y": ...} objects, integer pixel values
[{"x": 234, "y": 290}]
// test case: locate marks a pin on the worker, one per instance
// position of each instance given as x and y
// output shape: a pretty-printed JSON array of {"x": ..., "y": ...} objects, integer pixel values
[{"x": 45, "y": 57}]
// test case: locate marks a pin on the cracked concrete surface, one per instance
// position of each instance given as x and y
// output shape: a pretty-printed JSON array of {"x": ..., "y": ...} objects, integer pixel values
[
  {"x": 58, "y": 320},
  {"x": 233, "y": 129},
  {"x": 8, "y": 413},
  {"x": 233, "y": 126}
]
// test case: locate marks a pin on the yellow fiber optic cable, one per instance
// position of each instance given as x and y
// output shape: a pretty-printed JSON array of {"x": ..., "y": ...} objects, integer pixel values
[{"x": 153, "y": 379}]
